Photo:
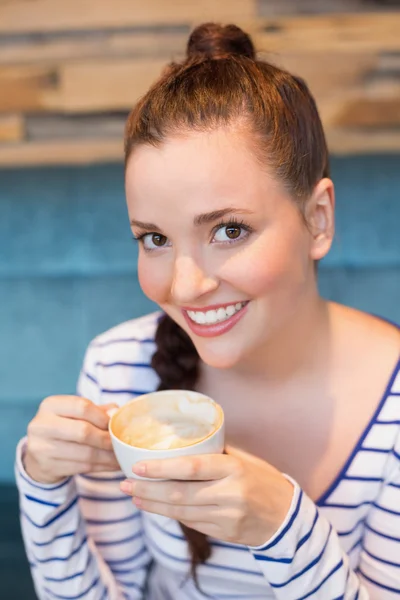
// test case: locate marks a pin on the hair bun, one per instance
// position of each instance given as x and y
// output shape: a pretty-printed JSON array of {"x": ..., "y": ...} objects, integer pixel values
[{"x": 211, "y": 40}]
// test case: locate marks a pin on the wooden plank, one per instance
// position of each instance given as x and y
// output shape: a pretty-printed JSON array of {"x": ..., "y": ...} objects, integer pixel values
[
  {"x": 86, "y": 86},
  {"x": 342, "y": 141},
  {"x": 22, "y": 88},
  {"x": 62, "y": 15},
  {"x": 61, "y": 152},
  {"x": 11, "y": 128},
  {"x": 48, "y": 49},
  {"x": 369, "y": 32},
  {"x": 102, "y": 85},
  {"x": 59, "y": 127},
  {"x": 364, "y": 112}
]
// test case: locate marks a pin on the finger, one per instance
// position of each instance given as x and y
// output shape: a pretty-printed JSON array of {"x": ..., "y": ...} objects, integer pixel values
[
  {"x": 82, "y": 453},
  {"x": 61, "y": 428},
  {"x": 75, "y": 407},
  {"x": 67, "y": 468},
  {"x": 189, "y": 514},
  {"x": 194, "y": 493},
  {"x": 204, "y": 467}
]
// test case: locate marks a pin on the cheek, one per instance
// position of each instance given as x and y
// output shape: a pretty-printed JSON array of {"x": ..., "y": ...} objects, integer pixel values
[
  {"x": 269, "y": 265},
  {"x": 153, "y": 279}
]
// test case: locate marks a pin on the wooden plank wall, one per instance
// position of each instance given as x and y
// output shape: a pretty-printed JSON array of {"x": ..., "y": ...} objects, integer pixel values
[{"x": 70, "y": 71}]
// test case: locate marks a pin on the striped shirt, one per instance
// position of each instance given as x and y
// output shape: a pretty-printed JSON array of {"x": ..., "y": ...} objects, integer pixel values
[{"x": 85, "y": 539}]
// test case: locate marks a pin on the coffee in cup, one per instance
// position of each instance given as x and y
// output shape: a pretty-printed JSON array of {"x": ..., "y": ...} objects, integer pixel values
[{"x": 166, "y": 424}]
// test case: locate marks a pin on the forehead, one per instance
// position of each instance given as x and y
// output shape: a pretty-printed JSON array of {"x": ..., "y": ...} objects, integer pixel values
[{"x": 200, "y": 168}]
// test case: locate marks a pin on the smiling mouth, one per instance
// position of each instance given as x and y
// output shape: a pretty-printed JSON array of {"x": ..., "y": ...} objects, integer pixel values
[{"x": 219, "y": 315}]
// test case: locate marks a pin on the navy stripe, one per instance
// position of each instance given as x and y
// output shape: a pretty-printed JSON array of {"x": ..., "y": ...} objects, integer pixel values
[
  {"x": 92, "y": 585},
  {"x": 129, "y": 571},
  {"x": 386, "y": 510},
  {"x": 74, "y": 575},
  {"x": 112, "y": 521},
  {"x": 135, "y": 392},
  {"x": 395, "y": 485},
  {"x": 131, "y": 538},
  {"x": 33, "y": 499},
  {"x": 122, "y": 561},
  {"x": 308, "y": 535},
  {"x": 322, "y": 499},
  {"x": 350, "y": 506},
  {"x": 357, "y": 595},
  {"x": 58, "y": 537},
  {"x": 286, "y": 528},
  {"x": 340, "y": 563},
  {"x": 208, "y": 564},
  {"x": 354, "y": 546},
  {"x": 384, "y": 535},
  {"x": 95, "y": 478},
  {"x": 302, "y": 541},
  {"x": 62, "y": 558},
  {"x": 381, "y": 560},
  {"x": 307, "y": 567},
  {"x": 106, "y": 498},
  {"x": 396, "y": 454},
  {"x": 395, "y": 422},
  {"x": 124, "y": 364},
  {"x": 90, "y": 377},
  {"x": 53, "y": 519},
  {"x": 361, "y": 478},
  {"x": 352, "y": 530},
  {"x": 377, "y": 450},
  {"x": 381, "y": 585},
  {"x": 213, "y": 542},
  {"x": 122, "y": 341},
  {"x": 44, "y": 487},
  {"x": 132, "y": 584}
]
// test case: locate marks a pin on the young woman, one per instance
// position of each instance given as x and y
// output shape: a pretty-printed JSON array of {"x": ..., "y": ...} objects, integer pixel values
[{"x": 228, "y": 192}]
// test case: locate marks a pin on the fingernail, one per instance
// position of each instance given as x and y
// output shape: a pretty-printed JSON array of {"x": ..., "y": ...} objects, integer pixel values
[
  {"x": 139, "y": 469},
  {"x": 137, "y": 502},
  {"x": 126, "y": 487},
  {"x": 111, "y": 411}
]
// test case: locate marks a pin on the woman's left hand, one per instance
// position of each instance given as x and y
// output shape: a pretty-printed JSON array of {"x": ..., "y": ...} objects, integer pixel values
[{"x": 234, "y": 497}]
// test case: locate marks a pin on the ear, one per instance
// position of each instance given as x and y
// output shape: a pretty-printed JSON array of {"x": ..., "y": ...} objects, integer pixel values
[{"x": 320, "y": 215}]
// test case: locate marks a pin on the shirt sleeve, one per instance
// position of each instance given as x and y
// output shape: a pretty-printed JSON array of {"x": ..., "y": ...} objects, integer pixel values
[
  {"x": 83, "y": 537},
  {"x": 304, "y": 559}
]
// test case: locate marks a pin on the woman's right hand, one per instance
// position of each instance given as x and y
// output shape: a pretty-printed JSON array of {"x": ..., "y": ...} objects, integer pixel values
[{"x": 69, "y": 435}]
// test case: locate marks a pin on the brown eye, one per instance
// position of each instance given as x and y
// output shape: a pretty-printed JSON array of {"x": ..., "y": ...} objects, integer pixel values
[
  {"x": 233, "y": 232},
  {"x": 158, "y": 239}
]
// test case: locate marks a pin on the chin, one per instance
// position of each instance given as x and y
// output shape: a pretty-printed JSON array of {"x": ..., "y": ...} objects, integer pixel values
[{"x": 218, "y": 356}]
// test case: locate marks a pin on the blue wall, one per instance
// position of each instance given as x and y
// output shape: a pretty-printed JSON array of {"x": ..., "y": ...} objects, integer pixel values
[{"x": 67, "y": 270}]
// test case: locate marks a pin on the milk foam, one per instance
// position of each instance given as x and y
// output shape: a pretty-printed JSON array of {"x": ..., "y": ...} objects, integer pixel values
[{"x": 172, "y": 423}]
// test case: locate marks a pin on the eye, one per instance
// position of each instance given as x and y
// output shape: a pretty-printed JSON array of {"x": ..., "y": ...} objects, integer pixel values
[
  {"x": 151, "y": 241},
  {"x": 231, "y": 232}
]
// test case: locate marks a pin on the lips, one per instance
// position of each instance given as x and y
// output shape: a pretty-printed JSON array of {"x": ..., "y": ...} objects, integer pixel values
[{"x": 215, "y": 320}]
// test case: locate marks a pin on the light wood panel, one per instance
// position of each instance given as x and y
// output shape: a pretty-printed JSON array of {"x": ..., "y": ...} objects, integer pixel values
[
  {"x": 11, "y": 128},
  {"x": 78, "y": 151},
  {"x": 70, "y": 82},
  {"x": 60, "y": 15}
]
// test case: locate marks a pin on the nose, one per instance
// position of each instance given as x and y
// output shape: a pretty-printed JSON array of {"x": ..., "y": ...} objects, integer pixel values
[{"x": 190, "y": 282}]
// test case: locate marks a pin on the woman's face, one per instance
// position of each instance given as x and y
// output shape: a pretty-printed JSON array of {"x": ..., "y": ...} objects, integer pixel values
[{"x": 223, "y": 250}]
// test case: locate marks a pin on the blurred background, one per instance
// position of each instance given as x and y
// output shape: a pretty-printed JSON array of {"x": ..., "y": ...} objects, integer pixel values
[{"x": 69, "y": 73}]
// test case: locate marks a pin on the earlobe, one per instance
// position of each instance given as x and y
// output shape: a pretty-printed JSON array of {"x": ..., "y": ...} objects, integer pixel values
[{"x": 321, "y": 218}]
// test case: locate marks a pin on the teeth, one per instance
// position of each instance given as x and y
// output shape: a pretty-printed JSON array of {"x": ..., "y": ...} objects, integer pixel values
[{"x": 215, "y": 316}]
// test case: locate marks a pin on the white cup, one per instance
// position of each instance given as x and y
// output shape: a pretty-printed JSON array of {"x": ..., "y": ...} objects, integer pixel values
[{"x": 127, "y": 455}]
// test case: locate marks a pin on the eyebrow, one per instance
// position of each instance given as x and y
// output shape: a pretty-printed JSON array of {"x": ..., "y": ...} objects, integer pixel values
[{"x": 202, "y": 219}]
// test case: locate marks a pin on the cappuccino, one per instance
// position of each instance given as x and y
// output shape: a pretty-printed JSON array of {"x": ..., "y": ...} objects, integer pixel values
[{"x": 177, "y": 420}]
